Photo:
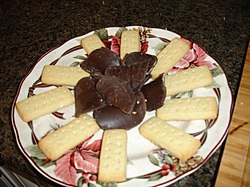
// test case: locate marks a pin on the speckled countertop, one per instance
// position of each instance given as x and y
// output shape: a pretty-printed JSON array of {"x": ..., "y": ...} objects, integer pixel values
[{"x": 28, "y": 29}]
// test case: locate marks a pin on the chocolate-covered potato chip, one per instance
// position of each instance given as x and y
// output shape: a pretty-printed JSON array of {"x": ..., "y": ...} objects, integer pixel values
[
  {"x": 154, "y": 93},
  {"x": 139, "y": 58},
  {"x": 87, "y": 98},
  {"x": 116, "y": 92},
  {"x": 111, "y": 117},
  {"x": 99, "y": 60},
  {"x": 134, "y": 75}
]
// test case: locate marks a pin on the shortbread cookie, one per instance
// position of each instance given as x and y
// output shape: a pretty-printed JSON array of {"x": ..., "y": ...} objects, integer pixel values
[
  {"x": 196, "y": 108},
  {"x": 113, "y": 158},
  {"x": 57, "y": 143},
  {"x": 169, "y": 56},
  {"x": 187, "y": 80},
  {"x": 130, "y": 42},
  {"x": 62, "y": 75},
  {"x": 92, "y": 42},
  {"x": 44, "y": 103},
  {"x": 177, "y": 142}
]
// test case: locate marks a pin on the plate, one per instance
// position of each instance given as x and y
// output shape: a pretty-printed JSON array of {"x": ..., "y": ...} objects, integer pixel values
[{"x": 148, "y": 165}]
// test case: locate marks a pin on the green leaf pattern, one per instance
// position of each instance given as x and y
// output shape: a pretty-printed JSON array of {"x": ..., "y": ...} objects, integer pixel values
[
  {"x": 38, "y": 156},
  {"x": 216, "y": 71},
  {"x": 155, "y": 177},
  {"x": 102, "y": 33},
  {"x": 35, "y": 152},
  {"x": 107, "y": 184},
  {"x": 75, "y": 64},
  {"x": 119, "y": 32},
  {"x": 80, "y": 57},
  {"x": 153, "y": 159}
]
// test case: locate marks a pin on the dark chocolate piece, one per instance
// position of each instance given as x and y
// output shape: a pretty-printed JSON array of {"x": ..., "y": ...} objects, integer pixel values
[
  {"x": 134, "y": 75},
  {"x": 139, "y": 58},
  {"x": 87, "y": 98},
  {"x": 99, "y": 60},
  {"x": 111, "y": 117},
  {"x": 116, "y": 92},
  {"x": 154, "y": 93}
]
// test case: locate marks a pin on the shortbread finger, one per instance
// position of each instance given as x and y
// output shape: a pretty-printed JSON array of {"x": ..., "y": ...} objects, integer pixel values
[
  {"x": 177, "y": 142},
  {"x": 169, "y": 56},
  {"x": 113, "y": 158},
  {"x": 57, "y": 143},
  {"x": 197, "y": 108},
  {"x": 92, "y": 42},
  {"x": 62, "y": 75},
  {"x": 44, "y": 103},
  {"x": 130, "y": 42},
  {"x": 187, "y": 80}
]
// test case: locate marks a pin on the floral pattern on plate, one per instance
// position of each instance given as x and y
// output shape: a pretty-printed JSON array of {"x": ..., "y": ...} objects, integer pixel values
[{"x": 151, "y": 165}]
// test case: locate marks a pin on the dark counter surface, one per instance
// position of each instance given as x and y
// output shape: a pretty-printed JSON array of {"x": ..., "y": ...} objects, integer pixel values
[{"x": 28, "y": 29}]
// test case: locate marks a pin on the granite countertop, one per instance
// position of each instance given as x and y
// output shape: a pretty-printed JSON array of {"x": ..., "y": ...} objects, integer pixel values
[{"x": 31, "y": 28}]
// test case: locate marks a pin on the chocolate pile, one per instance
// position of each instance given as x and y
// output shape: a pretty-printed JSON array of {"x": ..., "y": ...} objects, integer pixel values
[{"x": 116, "y": 91}]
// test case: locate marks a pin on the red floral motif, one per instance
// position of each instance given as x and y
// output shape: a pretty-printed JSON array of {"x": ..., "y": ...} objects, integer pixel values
[
  {"x": 144, "y": 47},
  {"x": 85, "y": 162},
  {"x": 65, "y": 170},
  {"x": 195, "y": 56},
  {"x": 115, "y": 44},
  {"x": 107, "y": 43},
  {"x": 201, "y": 56},
  {"x": 185, "y": 61},
  {"x": 84, "y": 159}
]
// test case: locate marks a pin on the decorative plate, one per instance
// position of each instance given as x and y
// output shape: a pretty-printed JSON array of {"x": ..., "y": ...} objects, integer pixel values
[{"x": 148, "y": 165}]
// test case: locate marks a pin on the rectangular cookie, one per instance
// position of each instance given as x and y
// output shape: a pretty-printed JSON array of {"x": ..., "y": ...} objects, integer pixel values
[
  {"x": 130, "y": 42},
  {"x": 113, "y": 156},
  {"x": 188, "y": 79},
  {"x": 179, "y": 143},
  {"x": 196, "y": 108},
  {"x": 62, "y": 75},
  {"x": 169, "y": 56},
  {"x": 57, "y": 143},
  {"x": 92, "y": 42},
  {"x": 44, "y": 103}
]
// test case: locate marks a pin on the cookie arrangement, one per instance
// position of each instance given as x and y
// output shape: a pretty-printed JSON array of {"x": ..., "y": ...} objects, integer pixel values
[{"x": 203, "y": 108}]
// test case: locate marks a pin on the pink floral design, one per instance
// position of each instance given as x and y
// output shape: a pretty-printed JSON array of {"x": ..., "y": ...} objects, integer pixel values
[
  {"x": 201, "y": 56},
  {"x": 115, "y": 44},
  {"x": 65, "y": 170},
  {"x": 84, "y": 159},
  {"x": 144, "y": 47},
  {"x": 195, "y": 56},
  {"x": 189, "y": 57},
  {"x": 107, "y": 43}
]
